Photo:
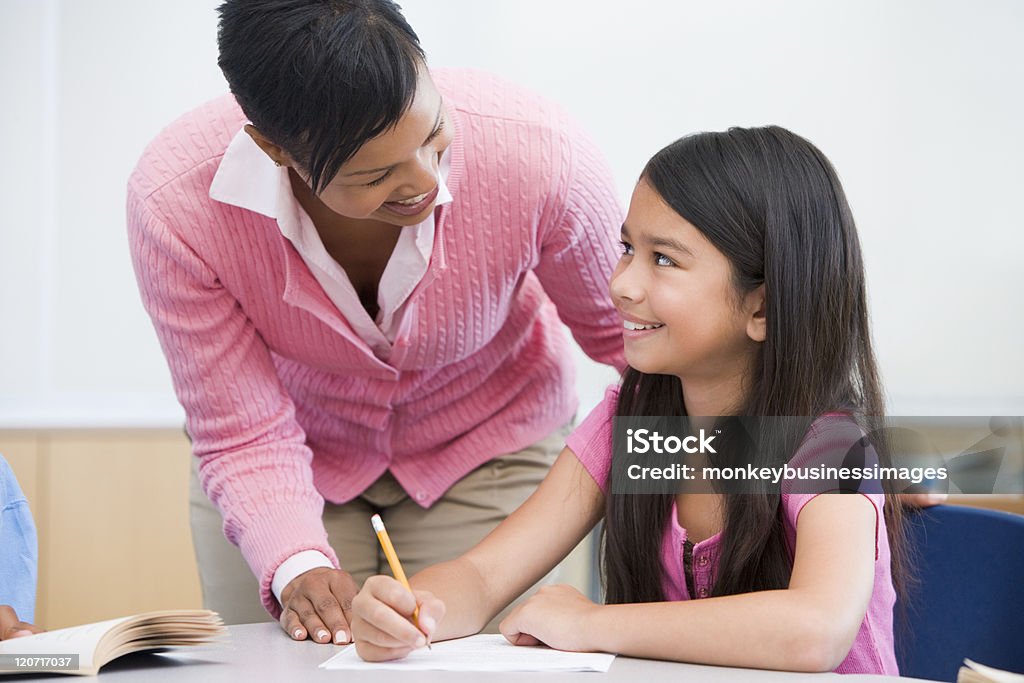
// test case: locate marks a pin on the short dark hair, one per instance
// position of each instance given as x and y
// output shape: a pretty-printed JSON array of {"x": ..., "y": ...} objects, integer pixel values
[{"x": 319, "y": 77}]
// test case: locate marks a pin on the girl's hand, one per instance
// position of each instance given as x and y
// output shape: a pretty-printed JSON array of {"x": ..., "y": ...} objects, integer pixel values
[
  {"x": 318, "y": 604},
  {"x": 556, "y": 616},
  {"x": 923, "y": 500},
  {"x": 382, "y": 619},
  {"x": 12, "y": 627}
]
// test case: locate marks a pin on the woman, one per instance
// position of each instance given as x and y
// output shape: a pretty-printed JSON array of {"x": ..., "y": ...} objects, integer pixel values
[{"x": 356, "y": 268}]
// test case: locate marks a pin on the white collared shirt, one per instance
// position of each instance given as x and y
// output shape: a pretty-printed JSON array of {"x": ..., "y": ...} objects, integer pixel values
[{"x": 249, "y": 179}]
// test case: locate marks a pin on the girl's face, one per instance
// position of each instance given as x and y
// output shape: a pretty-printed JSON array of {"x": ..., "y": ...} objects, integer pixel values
[
  {"x": 393, "y": 178},
  {"x": 681, "y": 312}
]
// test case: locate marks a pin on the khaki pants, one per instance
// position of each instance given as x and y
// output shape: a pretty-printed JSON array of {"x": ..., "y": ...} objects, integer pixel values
[{"x": 459, "y": 520}]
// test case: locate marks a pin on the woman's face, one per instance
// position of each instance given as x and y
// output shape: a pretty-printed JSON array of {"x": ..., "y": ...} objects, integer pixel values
[{"x": 393, "y": 178}]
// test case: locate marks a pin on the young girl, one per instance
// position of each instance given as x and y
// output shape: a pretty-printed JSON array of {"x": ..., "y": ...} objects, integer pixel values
[{"x": 741, "y": 291}]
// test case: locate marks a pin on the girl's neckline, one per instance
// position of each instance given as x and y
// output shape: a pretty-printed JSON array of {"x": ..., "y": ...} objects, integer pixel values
[{"x": 684, "y": 532}]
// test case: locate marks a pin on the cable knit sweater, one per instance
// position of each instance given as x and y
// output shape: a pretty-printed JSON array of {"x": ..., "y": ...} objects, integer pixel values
[{"x": 287, "y": 406}]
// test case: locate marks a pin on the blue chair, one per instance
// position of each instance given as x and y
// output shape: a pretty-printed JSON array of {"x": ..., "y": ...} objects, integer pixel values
[{"x": 970, "y": 597}]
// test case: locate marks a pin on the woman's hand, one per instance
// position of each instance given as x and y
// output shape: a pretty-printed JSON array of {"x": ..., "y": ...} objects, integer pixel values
[
  {"x": 382, "y": 619},
  {"x": 556, "y": 616},
  {"x": 318, "y": 604},
  {"x": 12, "y": 627}
]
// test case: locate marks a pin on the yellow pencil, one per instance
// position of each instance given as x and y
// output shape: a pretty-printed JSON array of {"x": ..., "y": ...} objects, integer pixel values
[{"x": 396, "y": 566}]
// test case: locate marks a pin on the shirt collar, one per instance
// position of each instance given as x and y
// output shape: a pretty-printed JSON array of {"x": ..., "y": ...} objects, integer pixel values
[{"x": 247, "y": 178}]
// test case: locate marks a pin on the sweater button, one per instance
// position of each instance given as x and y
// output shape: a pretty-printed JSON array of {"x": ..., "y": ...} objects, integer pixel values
[
  {"x": 421, "y": 496},
  {"x": 702, "y": 561},
  {"x": 703, "y": 592}
]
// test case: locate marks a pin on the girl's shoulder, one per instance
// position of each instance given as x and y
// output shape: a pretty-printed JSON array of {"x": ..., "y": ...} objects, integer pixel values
[
  {"x": 835, "y": 455},
  {"x": 835, "y": 439},
  {"x": 591, "y": 441},
  {"x": 599, "y": 419},
  {"x": 841, "y": 420}
]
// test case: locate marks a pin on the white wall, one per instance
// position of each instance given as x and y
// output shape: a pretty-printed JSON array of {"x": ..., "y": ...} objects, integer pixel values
[{"x": 917, "y": 102}]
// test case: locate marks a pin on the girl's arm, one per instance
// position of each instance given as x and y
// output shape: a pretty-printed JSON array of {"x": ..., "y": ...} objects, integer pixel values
[
  {"x": 457, "y": 598},
  {"x": 810, "y": 626}
]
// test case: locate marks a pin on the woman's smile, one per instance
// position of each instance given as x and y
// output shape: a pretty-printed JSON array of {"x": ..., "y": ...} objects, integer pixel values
[{"x": 413, "y": 205}]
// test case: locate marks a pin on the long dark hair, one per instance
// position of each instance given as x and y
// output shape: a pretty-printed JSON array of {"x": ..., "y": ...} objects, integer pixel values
[{"x": 771, "y": 202}]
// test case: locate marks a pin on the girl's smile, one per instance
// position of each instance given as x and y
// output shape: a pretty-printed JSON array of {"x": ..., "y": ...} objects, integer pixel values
[{"x": 633, "y": 328}]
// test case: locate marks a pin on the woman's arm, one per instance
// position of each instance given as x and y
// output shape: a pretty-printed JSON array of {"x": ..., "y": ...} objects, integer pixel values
[
  {"x": 810, "y": 626},
  {"x": 459, "y": 597},
  {"x": 579, "y": 249},
  {"x": 254, "y": 461}
]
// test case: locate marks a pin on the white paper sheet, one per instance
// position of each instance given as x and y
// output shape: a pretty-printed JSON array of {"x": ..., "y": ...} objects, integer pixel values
[{"x": 491, "y": 653}]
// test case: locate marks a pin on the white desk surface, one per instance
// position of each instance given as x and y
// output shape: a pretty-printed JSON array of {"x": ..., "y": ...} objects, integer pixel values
[{"x": 263, "y": 653}]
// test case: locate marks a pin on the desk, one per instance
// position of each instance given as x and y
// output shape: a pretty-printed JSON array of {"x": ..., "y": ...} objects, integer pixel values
[{"x": 261, "y": 653}]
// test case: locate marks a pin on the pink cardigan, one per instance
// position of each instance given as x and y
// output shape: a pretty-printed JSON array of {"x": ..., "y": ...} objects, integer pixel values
[{"x": 287, "y": 406}]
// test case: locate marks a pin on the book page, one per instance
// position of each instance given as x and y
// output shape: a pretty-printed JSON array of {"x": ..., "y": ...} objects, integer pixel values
[
  {"x": 979, "y": 672},
  {"x": 487, "y": 652},
  {"x": 98, "y": 643},
  {"x": 80, "y": 640}
]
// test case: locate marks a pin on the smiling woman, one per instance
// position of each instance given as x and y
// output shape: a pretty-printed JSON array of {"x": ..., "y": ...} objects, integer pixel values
[
  {"x": 392, "y": 181},
  {"x": 392, "y": 178},
  {"x": 357, "y": 267}
]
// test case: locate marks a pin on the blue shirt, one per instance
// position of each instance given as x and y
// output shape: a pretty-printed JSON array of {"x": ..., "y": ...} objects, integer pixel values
[{"x": 18, "y": 547}]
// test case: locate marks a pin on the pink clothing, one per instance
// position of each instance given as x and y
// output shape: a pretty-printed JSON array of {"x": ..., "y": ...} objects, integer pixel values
[
  {"x": 873, "y": 650},
  {"x": 288, "y": 406},
  {"x": 249, "y": 179}
]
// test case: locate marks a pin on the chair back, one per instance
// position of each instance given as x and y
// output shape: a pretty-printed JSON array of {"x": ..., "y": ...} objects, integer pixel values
[{"x": 969, "y": 601}]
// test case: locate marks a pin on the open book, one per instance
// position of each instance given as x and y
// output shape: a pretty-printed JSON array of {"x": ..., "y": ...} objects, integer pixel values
[
  {"x": 96, "y": 644},
  {"x": 972, "y": 672}
]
